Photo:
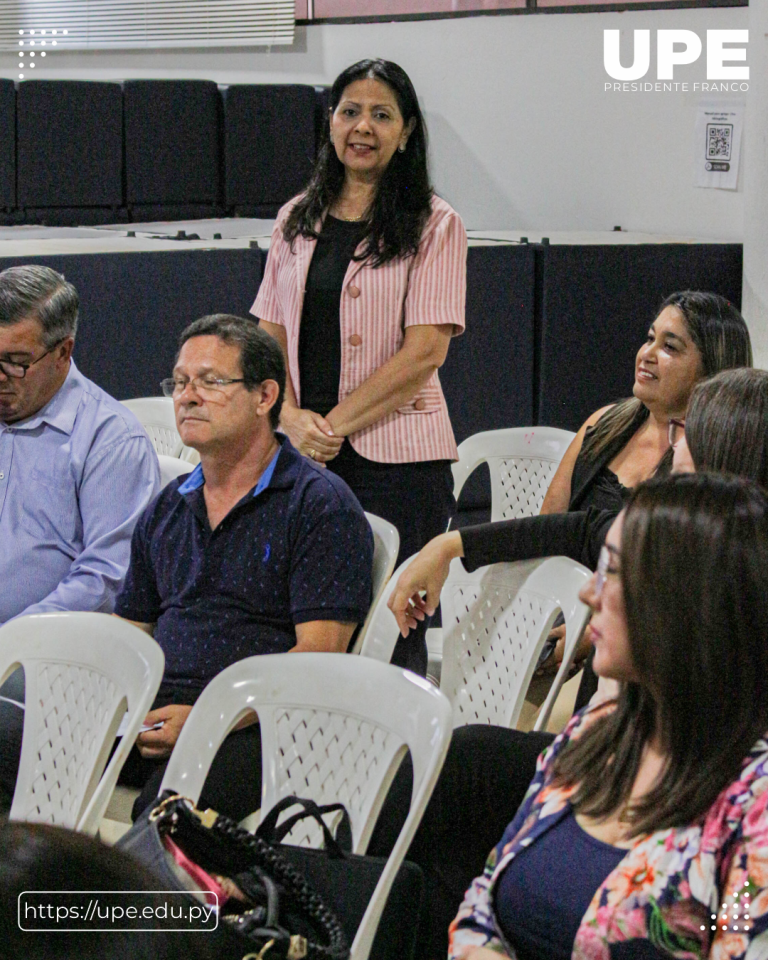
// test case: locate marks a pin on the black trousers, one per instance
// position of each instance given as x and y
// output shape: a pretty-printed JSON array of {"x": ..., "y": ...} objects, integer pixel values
[
  {"x": 483, "y": 782},
  {"x": 233, "y": 784},
  {"x": 418, "y": 499},
  {"x": 11, "y": 729}
]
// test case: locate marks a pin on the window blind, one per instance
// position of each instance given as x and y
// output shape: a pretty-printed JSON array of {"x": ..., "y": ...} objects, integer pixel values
[{"x": 126, "y": 24}]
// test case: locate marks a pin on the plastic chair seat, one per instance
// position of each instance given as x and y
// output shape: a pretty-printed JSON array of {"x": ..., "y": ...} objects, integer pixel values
[
  {"x": 82, "y": 672},
  {"x": 333, "y": 728}
]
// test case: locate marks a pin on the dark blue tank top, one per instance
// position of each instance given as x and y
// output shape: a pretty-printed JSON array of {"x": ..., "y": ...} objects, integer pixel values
[{"x": 542, "y": 896}]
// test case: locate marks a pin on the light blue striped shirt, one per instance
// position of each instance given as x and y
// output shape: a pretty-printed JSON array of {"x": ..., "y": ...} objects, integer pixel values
[{"x": 74, "y": 479}]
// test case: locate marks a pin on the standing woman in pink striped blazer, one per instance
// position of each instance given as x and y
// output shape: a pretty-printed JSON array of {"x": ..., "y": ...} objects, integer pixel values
[{"x": 364, "y": 287}]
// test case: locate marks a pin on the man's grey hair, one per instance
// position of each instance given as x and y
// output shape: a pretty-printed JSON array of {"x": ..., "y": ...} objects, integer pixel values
[{"x": 42, "y": 294}]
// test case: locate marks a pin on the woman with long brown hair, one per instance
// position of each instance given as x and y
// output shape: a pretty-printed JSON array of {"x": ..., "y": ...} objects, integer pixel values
[
  {"x": 488, "y": 769},
  {"x": 695, "y": 335},
  {"x": 645, "y": 830}
]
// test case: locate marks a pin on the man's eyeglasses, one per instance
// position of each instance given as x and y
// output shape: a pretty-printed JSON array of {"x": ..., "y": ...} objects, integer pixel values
[
  {"x": 206, "y": 387},
  {"x": 676, "y": 431},
  {"x": 606, "y": 564},
  {"x": 18, "y": 371}
]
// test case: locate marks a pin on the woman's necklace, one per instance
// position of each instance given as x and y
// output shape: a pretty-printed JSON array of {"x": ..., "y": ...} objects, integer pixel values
[
  {"x": 351, "y": 219},
  {"x": 340, "y": 216}
]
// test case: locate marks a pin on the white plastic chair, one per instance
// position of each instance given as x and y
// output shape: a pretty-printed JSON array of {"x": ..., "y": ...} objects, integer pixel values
[
  {"x": 172, "y": 467},
  {"x": 82, "y": 671},
  {"x": 495, "y": 623},
  {"x": 386, "y": 545},
  {"x": 334, "y": 728},
  {"x": 521, "y": 461},
  {"x": 157, "y": 417},
  {"x": 382, "y": 630}
]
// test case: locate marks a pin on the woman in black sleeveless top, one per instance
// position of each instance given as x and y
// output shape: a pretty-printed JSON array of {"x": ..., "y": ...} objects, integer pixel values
[
  {"x": 488, "y": 769},
  {"x": 694, "y": 336}
]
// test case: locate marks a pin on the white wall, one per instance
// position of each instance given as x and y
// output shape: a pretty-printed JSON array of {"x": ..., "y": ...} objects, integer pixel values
[{"x": 523, "y": 134}]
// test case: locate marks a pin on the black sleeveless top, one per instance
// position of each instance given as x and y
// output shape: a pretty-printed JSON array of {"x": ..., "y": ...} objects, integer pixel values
[{"x": 592, "y": 483}]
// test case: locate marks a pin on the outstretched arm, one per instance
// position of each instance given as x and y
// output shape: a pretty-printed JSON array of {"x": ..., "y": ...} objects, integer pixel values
[{"x": 578, "y": 535}]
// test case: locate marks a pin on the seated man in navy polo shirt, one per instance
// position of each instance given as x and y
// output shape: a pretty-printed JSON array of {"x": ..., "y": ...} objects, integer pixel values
[{"x": 258, "y": 550}]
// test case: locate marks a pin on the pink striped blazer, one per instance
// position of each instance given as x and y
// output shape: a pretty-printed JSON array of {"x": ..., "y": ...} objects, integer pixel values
[{"x": 376, "y": 307}]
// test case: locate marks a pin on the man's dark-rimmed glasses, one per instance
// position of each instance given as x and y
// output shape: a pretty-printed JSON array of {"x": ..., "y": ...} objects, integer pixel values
[{"x": 17, "y": 371}]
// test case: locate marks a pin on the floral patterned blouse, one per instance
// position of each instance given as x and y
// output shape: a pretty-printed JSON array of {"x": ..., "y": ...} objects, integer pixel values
[{"x": 693, "y": 892}]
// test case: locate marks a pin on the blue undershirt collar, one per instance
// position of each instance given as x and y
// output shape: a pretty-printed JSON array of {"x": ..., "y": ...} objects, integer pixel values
[{"x": 196, "y": 479}]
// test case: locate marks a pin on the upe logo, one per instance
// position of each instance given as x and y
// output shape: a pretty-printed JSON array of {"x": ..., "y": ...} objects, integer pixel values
[{"x": 676, "y": 48}]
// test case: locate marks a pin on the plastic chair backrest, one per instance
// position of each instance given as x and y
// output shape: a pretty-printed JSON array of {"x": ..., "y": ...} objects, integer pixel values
[
  {"x": 157, "y": 417},
  {"x": 172, "y": 467},
  {"x": 564, "y": 578},
  {"x": 82, "y": 671},
  {"x": 386, "y": 545},
  {"x": 382, "y": 631},
  {"x": 495, "y": 623},
  {"x": 521, "y": 461},
  {"x": 334, "y": 728}
]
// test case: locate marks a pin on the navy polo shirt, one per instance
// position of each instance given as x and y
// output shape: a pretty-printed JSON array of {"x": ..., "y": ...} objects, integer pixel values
[{"x": 296, "y": 548}]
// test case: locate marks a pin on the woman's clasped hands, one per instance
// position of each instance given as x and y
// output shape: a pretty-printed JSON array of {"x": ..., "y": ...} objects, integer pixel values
[{"x": 310, "y": 433}]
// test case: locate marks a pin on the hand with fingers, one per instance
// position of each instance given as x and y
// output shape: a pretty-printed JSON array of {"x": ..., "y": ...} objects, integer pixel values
[
  {"x": 158, "y": 742},
  {"x": 310, "y": 433},
  {"x": 425, "y": 575}
]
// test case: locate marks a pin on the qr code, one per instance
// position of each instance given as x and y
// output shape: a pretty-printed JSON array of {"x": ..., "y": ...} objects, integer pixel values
[{"x": 719, "y": 139}]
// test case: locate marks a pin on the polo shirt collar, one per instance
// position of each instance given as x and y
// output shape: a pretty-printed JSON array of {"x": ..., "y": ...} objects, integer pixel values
[
  {"x": 272, "y": 476},
  {"x": 61, "y": 410}
]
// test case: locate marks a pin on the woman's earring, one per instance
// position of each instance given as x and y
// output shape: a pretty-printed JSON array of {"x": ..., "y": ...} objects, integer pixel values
[{"x": 401, "y": 148}]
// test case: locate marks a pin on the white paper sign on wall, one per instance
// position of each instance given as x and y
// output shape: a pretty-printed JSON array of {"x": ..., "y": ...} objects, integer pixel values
[{"x": 717, "y": 143}]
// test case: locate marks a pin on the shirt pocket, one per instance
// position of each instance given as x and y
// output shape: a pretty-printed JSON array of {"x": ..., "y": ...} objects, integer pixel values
[
  {"x": 51, "y": 509},
  {"x": 427, "y": 400}
]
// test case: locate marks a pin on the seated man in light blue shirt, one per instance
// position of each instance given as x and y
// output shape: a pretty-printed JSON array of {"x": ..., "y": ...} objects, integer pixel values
[{"x": 76, "y": 468}]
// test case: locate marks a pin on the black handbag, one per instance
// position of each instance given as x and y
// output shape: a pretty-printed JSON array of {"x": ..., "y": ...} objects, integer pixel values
[
  {"x": 306, "y": 902},
  {"x": 275, "y": 910},
  {"x": 347, "y": 881}
]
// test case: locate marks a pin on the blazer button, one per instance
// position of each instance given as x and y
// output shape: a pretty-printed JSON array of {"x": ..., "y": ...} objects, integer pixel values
[
  {"x": 420, "y": 404},
  {"x": 355, "y": 340},
  {"x": 354, "y": 292}
]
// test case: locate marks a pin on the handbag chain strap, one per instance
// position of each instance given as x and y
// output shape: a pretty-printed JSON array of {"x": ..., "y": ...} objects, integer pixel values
[
  {"x": 273, "y": 862},
  {"x": 269, "y": 858}
]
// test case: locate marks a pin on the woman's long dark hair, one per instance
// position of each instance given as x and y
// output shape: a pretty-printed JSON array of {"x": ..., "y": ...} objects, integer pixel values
[
  {"x": 694, "y": 553},
  {"x": 720, "y": 335},
  {"x": 403, "y": 200},
  {"x": 726, "y": 424}
]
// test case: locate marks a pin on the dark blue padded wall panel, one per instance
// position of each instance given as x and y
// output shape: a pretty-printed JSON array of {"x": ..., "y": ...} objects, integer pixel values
[
  {"x": 7, "y": 145},
  {"x": 269, "y": 145},
  {"x": 488, "y": 374},
  {"x": 322, "y": 111},
  {"x": 597, "y": 304},
  {"x": 70, "y": 149},
  {"x": 172, "y": 152},
  {"x": 135, "y": 305}
]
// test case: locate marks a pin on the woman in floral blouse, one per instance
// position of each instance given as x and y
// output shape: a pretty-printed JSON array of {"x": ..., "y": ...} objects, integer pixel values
[{"x": 644, "y": 833}]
